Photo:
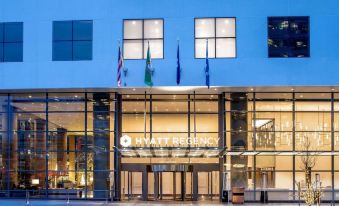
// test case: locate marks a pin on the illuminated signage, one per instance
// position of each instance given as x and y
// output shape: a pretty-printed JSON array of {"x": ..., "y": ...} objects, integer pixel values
[{"x": 127, "y": 141}]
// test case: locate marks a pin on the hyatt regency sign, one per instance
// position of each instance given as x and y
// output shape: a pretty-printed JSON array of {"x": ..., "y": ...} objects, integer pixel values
[{"x": 127, "y": 141}]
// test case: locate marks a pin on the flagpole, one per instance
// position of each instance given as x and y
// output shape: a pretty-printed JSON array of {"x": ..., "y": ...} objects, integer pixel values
[
  {"x": 194, "y": 116},
  {"x": 145, "y": 116}
]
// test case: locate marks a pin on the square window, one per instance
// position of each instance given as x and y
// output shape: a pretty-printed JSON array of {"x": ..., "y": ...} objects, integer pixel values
[
  {"x": 153, "y": 29},
  {"x": 62, "y": 30},
  {"x": 225, "y": 48},
  {"x": 13, "y": 52},
  {"x": 137, "y": 34},
  {"x": 82, "y": 30},
  {"x": 288, "y": 37},
  {"x": 72, "y": 40},
  {"x": 13, "y": 32},
  {"x": 82, "y": 50},
  {"x": 133, "y": 49},
  {"x": 62, "y": 51},
  {"x": 221, "y": 35},
  {"x": 156, "y": 48},
  {"x": 225, "y": 27}
]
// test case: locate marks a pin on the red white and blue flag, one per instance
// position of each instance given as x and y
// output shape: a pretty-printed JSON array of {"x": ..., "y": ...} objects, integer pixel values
[{"x": 120, "y": 65}]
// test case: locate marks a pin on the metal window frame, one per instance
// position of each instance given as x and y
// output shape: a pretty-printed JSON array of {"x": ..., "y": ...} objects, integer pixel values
[
  {"x": 143, "y": 39},
  {"x": 289, "y": 19},
  {"x": 215, "y": 37},
  {"x": 72, "y": 41},
  {"x": 3, "y": 42}
]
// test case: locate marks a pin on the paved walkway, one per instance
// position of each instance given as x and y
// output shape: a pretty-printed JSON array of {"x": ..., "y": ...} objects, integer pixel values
[{"x": 94, "y": 203}]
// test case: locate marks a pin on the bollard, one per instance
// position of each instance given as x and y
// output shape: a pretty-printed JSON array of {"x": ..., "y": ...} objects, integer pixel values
[
  {"x": 67, "y": 202},
  {"x": 107, "y": 193},
  {"x": 27, "y": 197}
]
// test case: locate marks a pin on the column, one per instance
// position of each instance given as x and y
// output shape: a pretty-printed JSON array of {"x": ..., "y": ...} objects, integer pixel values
[
  {"x": 101, "y": 123},
  {"x": 117, "y": 156},
  {"x": 238, "y": 139}
]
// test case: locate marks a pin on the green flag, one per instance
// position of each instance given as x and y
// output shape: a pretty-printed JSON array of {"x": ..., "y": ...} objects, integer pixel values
[{"x": 148, "y": 69}]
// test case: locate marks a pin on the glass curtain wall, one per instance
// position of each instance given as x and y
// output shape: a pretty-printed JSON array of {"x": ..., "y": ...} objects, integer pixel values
[
  {"x": 51, "y": 144},
  {"x": 60, "y": 144},
  {"x": 281, "y": 127},
  {"x": 169, "y": 118}
]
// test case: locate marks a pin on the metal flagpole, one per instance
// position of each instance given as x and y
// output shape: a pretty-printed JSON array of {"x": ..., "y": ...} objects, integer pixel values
[
  {"x": 194, "y": 117},
  {"x": 145, "y": 116}
]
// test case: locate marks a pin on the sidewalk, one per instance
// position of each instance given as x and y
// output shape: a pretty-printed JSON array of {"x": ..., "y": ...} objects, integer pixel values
[{"x": 97, "y": 203}]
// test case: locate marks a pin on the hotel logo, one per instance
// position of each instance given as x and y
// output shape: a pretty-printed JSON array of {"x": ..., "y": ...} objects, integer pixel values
[{"x": 125, "y": 141}]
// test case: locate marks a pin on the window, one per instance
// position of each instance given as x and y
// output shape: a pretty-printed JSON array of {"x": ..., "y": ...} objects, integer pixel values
[
  {"x": 288, "y": 37},
  {"x": 137, "y": 35},
  {"x": 220, "y": 34},
  {"x": 11, "y": 42},
  {"x": 72, "y": 40}
]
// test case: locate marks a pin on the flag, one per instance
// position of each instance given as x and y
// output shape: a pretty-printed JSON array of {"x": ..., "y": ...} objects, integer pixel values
[
  {"x": 207, "y": 68},
  {"x": 120, "y": 63},
  {"x": 178, "y": 65},
  {"x": 148, "y": 69}
]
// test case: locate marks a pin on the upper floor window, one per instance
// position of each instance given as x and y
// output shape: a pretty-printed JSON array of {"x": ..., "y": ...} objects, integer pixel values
[
  {"x": 137, "y": 34},
  {"x": 288, "y": 37},
  {"x": 11, "y": 42},
  {"x": 220, "y": 34},
  {"x": 72, "y": 40}
]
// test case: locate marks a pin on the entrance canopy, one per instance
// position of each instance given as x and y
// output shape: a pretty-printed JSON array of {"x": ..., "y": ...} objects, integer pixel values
[{"x": 171, "y": 152}]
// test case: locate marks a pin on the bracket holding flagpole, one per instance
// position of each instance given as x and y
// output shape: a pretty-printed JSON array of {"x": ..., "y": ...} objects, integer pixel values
[
  {"x": 124, "y": 69},
  {"x": 152, "y": 69}
]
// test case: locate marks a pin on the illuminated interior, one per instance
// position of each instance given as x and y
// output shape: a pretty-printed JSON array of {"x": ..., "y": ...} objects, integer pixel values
[{"x": 54, "y": 140}]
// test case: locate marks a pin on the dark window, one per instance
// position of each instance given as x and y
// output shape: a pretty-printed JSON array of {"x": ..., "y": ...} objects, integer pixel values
[
  {"x": 72, "y": 40},
  {"x": 288, "y": 37},
  {"x": 11, "y": 42}
]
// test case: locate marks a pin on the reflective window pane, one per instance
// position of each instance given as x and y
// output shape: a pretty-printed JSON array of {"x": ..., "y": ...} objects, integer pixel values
[
  {"x": 1, "y": 52},
  {"x": 13, "y": 52},
  {"x": 225, "y": 27},
  {"x": 82, "y": 50},
  {"x": 204, "y": 28},
  {"x": 13, "y": 32},
  {"x": 82, "y": 30},
  {"x": 153, "y": 28},
  {"x": 1, "y": 32},
  {"x": 200, "y": 48},
  {"x": 226, "y": 47},
  {"x": 62, "y": 30},
  {"x": 133, "y": 29},
  {"x": 71, "y": 121},
  {"x": 156, "y": 48},
  {"x": 62, "y": 51},
  {"x": 133, "y": 49},
  {"x": 30, "y": 102},
  {"x": 288, "y": 37}
]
